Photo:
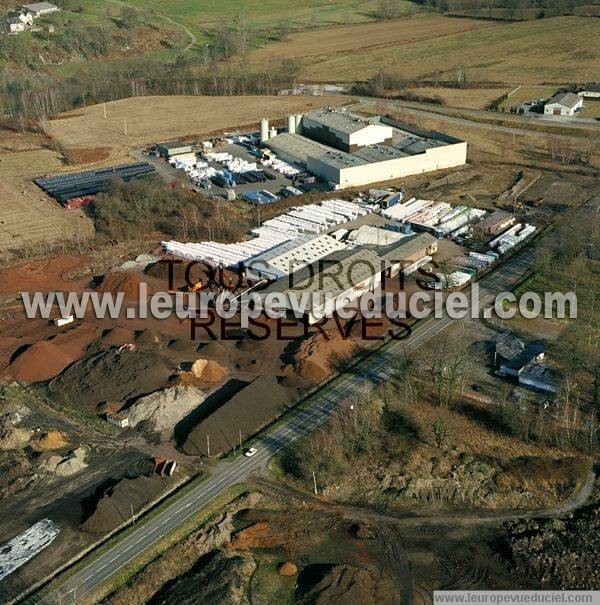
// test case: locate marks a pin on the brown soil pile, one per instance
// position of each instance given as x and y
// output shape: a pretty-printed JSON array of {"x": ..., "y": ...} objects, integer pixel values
[
  {"x": 43, "y": 275},
  {"x": 322, "y": 583},
  {"x": 160, "y": 271},
  {"x": 208, "y": 370},
  {"x": 252, "y": 408},
  {"x": 39, "y": 362},
  {"x": 259, "y": 535},
  {"x": 116, "y": 337},
  {"x": 122, "y": 281},
  {"x": 317, "y": 356},
  {"x": 147, "y": 338},
  {"x": 110, "y": 376},
  {"x": 111, "y": 505},
  {"x": 49, "y": 440},
  {"x": 287, "y": 569},
  {"x": 75, "y": 156},
  {"x": 213, "y": 350},
  {"x": 74, "y": 341}
]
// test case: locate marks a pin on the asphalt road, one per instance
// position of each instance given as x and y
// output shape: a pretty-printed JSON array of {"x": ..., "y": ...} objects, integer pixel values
[{"x": 371, "y": 371}]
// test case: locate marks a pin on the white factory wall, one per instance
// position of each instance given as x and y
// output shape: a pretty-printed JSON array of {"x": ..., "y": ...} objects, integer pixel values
[
  {"x": 564, "y": 111},
  {"x": 437, "y": 158},
  {"x": 371, "y": 134}
]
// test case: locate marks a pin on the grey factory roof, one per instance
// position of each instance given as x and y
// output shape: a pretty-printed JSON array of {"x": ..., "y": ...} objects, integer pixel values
[
  {"x": 296, "y": 145},
  {"x": 341, "y": 159},
  {"x": 173, "y": 144},
  {"x": 379, "y": 153},
  {"x": 336, "y": 273},
  {"x": 514, "y": 352},
  {"x": 406, "y": 247},
  {"x": 337, "y": 120},
  {"x": 421, "y": 146},
  {"x": 566, "y": 99}
]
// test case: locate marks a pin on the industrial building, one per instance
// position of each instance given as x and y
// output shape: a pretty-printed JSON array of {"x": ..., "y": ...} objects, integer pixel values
[
  {"x": 497, "y": 221},
  {"x": 563, "y": 104},
  {"x": 337, "y": 280},
  {"x": 291, "y": 256},
  {"x": 168, "y": 149},
  {"x": 349, "y": 151},
  {"x": 341, "y": 130}
]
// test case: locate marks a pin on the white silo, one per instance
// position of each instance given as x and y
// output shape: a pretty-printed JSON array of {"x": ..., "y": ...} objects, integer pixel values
[
  {"x": 298, "y": 119},
  {"x": 264, "y": 130},
  {"x": 291, "y": 124}
]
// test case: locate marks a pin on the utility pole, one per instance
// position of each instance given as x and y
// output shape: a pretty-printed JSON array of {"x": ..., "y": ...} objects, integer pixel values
[
  {"x": 125, "y": 127},
  {"x": 315, "y": 483},
  {"x": 240, "y": 430},
  {"x": 208, "y": 445},
  {"x": 132, "y": 518},
  {"x": 104, "y": 109}
]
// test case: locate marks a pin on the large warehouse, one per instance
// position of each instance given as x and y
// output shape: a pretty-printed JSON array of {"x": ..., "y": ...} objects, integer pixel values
[
  {"x": 347, "y": 151},
  {"x": 342, "y": 277}
]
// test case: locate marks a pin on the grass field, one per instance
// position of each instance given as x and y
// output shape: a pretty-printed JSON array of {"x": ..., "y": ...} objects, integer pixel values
[
  {"x": 365, "y": 37},
  {"x": 561, "y": 49},
  {"x": 528, "y": 93},
  {"x": 151, "y": 119}
]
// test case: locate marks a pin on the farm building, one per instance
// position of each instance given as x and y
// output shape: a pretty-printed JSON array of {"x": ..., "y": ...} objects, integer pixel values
[
  {"x": 291, "y": 256},
  {"x": 512, "y": 354},
  {"x": 337, "y": 280},
  {"x": 563, "y": 104},
  {"x": 171, "y": 148},
  {"x": 346, "y": 152},
  {"x": 39, "y": 9},
  {"x": 590, "y": 90},
  {"x": 14, "y": 25},
  {"x": 340, "y": 130}
]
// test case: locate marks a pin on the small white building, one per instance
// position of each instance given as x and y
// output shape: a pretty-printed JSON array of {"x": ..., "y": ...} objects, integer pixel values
[
  {"x": 14, "y": 25},
  {"x": 590, "y": 90},
  {"x": 563, "y": 104}
]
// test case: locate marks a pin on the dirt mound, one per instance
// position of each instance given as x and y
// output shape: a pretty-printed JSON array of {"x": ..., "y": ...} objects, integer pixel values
[
  {"x": 161, "y": 411},
  {"x": 66, "y": 466},
  {"x": 268, "y": 401},
  {"x": 116, "y": 337},
  {"x": 110, "y": 376},
  {"x": 113, "y": 502},
  {"x": 214, "y": 350},
  {"x": 147, "y": 337},
  {"x": 122, "y": 281},
  {"x": 317, "y": 356},
  {"x": 49, "y": 440},
  {"x": 160, "y": 271},
  {"x": 561, "y": 553},
  {"x": 13, "y": 438},
  {"x": 454, "y": 178},
  {"x": 39, "y": 362},
  {"x": 75, "y": 340},
  {"x": 183, "y": 345},
  {"x": 218, "y": 578},
  {"x": 287, "y": 569},
  {"x": 321, "y": 583},
  {"x": 209, "y": 370}
]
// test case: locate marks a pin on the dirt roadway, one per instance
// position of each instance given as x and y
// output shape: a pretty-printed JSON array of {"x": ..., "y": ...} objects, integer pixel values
[{"x": 417, "y": 517}]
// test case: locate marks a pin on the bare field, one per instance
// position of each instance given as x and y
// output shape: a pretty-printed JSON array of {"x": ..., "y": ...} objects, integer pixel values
[
  {"x": 29, "y": 218},
  {"x": 558, "y": 49},
  {"x": 30, "y": 163},
  {"x": 367, "y": 36},
  {"x": 151, "y": 119}
]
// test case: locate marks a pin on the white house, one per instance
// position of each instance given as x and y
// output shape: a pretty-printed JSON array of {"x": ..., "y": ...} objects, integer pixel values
[
  {"x": 591, "y": 90},
  {"x": 563, "y": 104},
  {"x": 14, "y": 25}
]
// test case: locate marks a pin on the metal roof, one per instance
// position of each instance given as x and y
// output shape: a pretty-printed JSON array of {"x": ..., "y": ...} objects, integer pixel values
[
  {"x": 173, "y": 144},
  {"x": 592, "y": 87},
  {"x": 341, "y": 159},
  {"x": 379, "y": 153},
  {"x": 296, "y": 145},
  {"x": 337, "y": 120},
  {"x": 37, "y": 7},
  {"x": 566, "y": 99},
  {"x": 406, "y": 247}
]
